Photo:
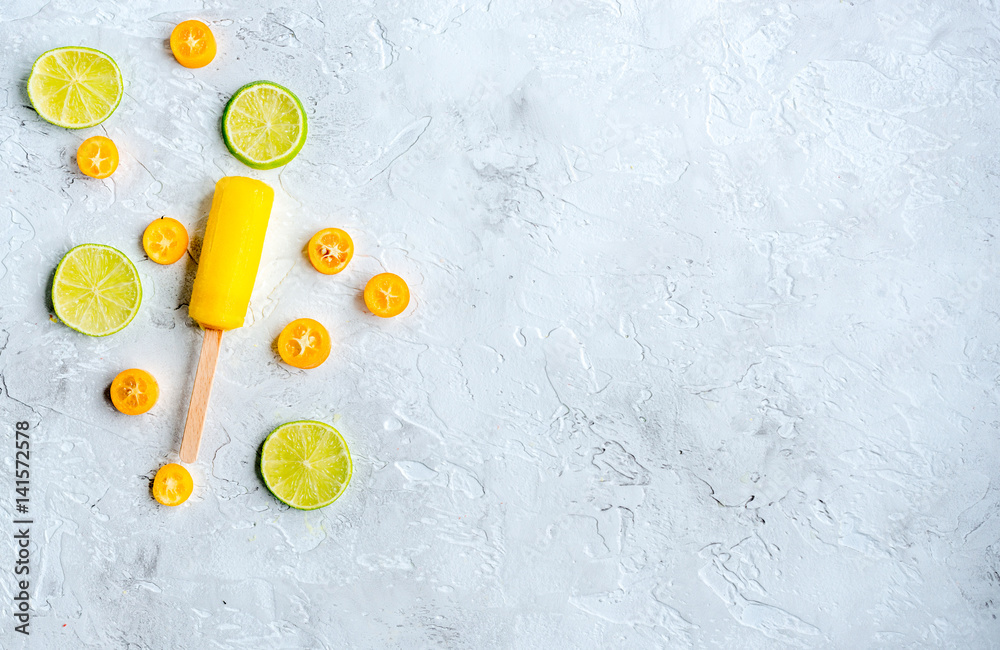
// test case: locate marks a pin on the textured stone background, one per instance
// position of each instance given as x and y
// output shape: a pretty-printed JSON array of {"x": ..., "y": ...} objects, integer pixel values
[{"x": 703, "y": 349}]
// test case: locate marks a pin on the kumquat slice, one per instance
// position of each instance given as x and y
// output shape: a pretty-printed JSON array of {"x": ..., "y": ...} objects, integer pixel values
[
  {"x": 172, "y": 485},
  {"x": 193, "y": 44},
  {"x": 97, "y": 157},
  {"x": 330, "y": 250},
  {"x": 304, "y": 343},
  {"x": 387, "y": 295},
  {"x": 165, "y": 240},
  {"x": 134, "y": 391}
]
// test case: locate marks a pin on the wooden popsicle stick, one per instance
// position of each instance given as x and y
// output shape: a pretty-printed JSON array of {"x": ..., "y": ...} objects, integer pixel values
[{"x": 199, "y": 395}]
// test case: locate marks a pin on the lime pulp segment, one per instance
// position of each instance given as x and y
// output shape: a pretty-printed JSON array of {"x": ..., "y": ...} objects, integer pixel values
[
  {"x": 75, "y": 87},
  {"x": 264, "y": 125},
  {"x": 96, "y": 290},
  {"x": 305, "y": 464}
]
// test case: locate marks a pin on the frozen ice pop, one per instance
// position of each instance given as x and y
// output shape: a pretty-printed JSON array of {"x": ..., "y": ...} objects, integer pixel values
[
  {"x": 227, "y": 269},
  {"x": 230, "y": 253}
]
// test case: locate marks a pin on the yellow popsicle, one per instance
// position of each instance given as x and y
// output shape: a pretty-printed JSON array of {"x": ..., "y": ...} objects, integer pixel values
[{"x": 230, "y": 253}]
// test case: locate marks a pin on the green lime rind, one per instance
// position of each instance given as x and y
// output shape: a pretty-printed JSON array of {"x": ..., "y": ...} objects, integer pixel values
[
  {"x": 109, "y": 308},
  {"x": 306, "y": 464},
  {"x": 40, "y": 77},
  {"x": 245, "y": 142}
]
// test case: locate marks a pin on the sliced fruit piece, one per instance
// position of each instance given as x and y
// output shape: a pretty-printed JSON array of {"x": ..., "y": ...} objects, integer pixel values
[
  {"x": 97, "y": 157},
  {"x": 330, "y": 250},
  {"x": 193, "y": 44},
  {"x": 306, "y": 464},
  {"x": 172, "y": 485},
  {"x": 387, "y": 295},
  {"x": 96, "y": 290},
  {"x": 75, "y": 87},
  {"x": 165, "y": 240},
  {"x": 264, "y": 125},
  {"x": 134, "y": 391},
  {"x": 304, "y": 343}
]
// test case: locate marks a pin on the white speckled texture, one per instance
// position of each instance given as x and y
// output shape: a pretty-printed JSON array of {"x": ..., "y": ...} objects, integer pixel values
[{"x": 702, "y": 353}]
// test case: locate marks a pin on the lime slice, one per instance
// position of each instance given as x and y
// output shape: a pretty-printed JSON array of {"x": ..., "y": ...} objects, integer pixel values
[
  {"x": 75, "y": 87},
  {"x": 305, "y": 464},
  {"x": 96, "y": 290},
  {"x": 264, "y": 125}
]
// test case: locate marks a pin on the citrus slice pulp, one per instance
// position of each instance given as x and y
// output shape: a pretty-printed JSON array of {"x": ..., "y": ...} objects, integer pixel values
[
  {"x": 96, "y": 290},
  {"x": 193, "y": 44},
  {"x": 165, "y": 240},
  {"x": 172, "y": 485},
  {"x": 97, "y": 157},
  {"x": 264, "y": 125},
  {"x": 386, "y": 295},
  {"x": 305, "y": 464},
  {"x": 330, "y": 250},
  {"x": 134, "y": 391},
  {"x": 304, "y": 343},
  {"x": 75, "y": 87}
]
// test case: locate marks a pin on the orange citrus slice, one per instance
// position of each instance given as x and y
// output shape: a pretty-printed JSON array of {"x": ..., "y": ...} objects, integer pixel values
[
  {"x": 165, "y": 240},
  {"x": 387, "y": 295},
  {"x": 193, "y": 44},
  {"x": 304, "y": 343},
  {"x": 134, "y": 391},
  {"x": 97, "y": 157},
  {"x": 172, "y": 485},
  {"x": 330, "y": 250}
]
